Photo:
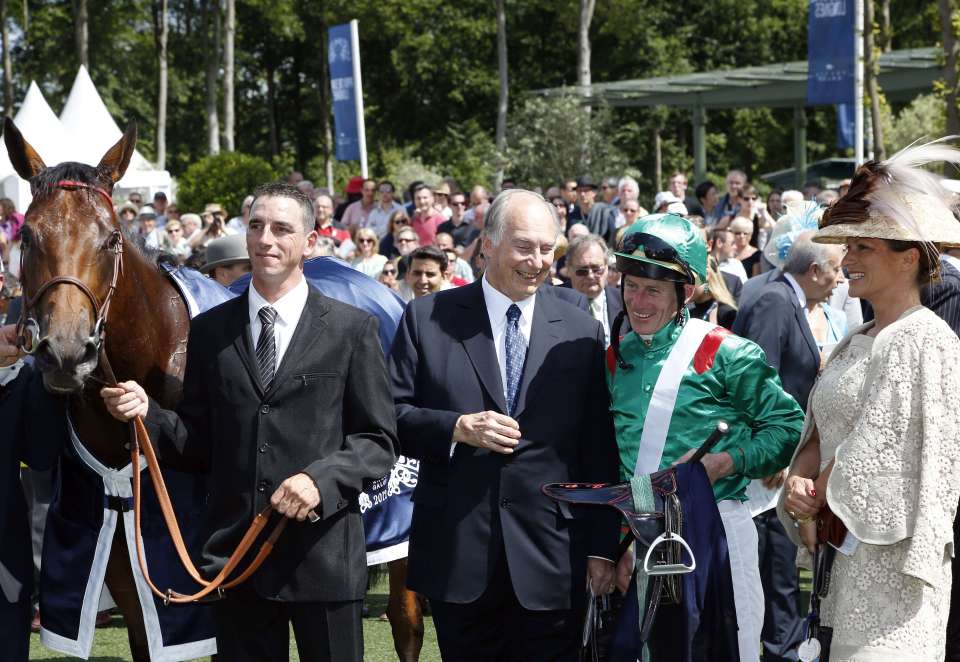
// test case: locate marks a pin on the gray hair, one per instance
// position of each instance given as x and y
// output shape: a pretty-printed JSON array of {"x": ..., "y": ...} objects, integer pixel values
[
  {"x": 581, "y": 244},
  {"x": 625, "y": 181},
  {"x": 805, "y": 252},
  {"x": 496, "y": 217}
]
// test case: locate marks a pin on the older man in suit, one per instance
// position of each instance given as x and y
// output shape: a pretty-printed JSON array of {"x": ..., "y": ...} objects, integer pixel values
[
  {"x": 34, "y": 430},
  {"x": 776, "y": 319},
  {"x": 476, "y": 375},
  {"x": 587, "y": 266},
  {"x": 285, "y": 402}
]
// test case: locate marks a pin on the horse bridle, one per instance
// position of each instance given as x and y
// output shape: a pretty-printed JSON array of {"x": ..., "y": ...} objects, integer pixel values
[
  {"x": 140, "y": 440},
  {"x": 29, "y": 325}
]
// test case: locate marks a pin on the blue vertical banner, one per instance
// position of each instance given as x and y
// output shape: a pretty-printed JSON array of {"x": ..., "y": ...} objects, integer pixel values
[
  {"x": 845, "y": 126},
  {"x": 343, "y": 88},
  {"x": 830, "y": 41}
]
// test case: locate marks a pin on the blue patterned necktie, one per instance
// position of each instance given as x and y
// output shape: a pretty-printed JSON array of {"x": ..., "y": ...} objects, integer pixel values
[
  {"x": 267, "y": 346},
  {"x": 516, "y": 351}
]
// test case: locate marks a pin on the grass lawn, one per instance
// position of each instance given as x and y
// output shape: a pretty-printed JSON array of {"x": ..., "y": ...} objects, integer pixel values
[{"x": 110, "y": 643}]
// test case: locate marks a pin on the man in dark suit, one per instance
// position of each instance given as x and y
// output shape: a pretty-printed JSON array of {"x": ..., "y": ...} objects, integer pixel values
[
  {"x": 587, "y": 266},
  {"x": 476, "y": 374},
  {"x": 286, "y": 403},
  {"x": 599, "y": 217},
  {"x": 776, "y": 319},
  {"x": 34, "y": 430}
]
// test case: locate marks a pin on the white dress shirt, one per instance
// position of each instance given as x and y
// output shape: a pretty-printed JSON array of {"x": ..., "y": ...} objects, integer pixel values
[
  {"x": 497, "y": 305},
  {"x": 598, "y": 308},
  {"x": 289, "y": 307}
]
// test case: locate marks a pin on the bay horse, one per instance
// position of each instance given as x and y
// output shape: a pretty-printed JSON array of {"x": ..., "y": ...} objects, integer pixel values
[{"x": 73, "y": 247}]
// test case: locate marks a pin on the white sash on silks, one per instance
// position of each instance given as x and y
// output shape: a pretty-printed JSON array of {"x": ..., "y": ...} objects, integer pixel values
[{"x": 656, "y": 423}]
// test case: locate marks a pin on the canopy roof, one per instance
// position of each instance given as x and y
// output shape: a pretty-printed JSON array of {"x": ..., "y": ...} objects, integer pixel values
[
  {"x": 90, "y": 126},
  {"x": 41, "y": 128},
  {"x": 903, "y": 74}
]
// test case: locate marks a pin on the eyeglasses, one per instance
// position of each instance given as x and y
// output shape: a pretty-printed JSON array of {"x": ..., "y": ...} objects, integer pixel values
[
  {"x": 172, "y": 230},
  {"x": 753, "y": 199},
  {"x": 366, "y": 240},
  {"x": 401, "y": 221},
  {"x": 389, "y": 272},
  {"x": 583, "y": 272},
  {"x": 458, "y": 204}
]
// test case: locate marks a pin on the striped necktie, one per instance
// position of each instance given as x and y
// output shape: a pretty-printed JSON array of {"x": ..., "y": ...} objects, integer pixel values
[
  {"x": 516, "y": 352},
  {"x": 267, "y": 346}
]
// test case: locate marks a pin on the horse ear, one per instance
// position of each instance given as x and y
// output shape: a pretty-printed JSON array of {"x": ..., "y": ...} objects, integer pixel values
[
  {"x": 24, "y": 158},
  {"x": 114, "y": 163}
]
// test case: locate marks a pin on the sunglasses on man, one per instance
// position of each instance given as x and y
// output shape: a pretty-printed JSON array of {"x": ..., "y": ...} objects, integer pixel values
[{"x": 583, "y": 272}]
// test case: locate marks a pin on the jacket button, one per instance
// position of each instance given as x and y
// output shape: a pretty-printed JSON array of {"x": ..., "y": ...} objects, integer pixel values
[
  {"x": 263, "y": 485},
  {"x": 263, "y": 448},
  {"x": 265, "y": 409},
  {"x": 504, "y": 503}
]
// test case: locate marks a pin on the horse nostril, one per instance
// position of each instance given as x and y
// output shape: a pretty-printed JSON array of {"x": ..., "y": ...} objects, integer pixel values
[
  {"x": 90, "y": 351},
  {"x": 48, "y": 355}
]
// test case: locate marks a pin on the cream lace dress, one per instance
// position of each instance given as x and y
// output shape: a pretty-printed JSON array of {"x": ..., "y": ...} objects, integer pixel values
[{"x": 876, "y": 611}]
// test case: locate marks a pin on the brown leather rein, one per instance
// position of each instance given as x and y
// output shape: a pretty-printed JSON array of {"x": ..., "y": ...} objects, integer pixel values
[{"x": 140, "y": 440}]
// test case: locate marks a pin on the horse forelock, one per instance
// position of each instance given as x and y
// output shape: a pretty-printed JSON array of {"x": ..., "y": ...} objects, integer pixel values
[{"x": 48, "y": 180}]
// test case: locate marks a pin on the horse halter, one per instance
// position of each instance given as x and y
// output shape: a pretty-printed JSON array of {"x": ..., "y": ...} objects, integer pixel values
[{"x": 28, "y": 329}]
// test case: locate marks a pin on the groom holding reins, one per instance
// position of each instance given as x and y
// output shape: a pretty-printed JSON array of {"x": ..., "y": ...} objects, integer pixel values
[{"x": 285, "y": 402}]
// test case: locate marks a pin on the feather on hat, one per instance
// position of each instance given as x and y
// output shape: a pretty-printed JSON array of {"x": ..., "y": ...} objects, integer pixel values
[{"x": 897, "y": 199}]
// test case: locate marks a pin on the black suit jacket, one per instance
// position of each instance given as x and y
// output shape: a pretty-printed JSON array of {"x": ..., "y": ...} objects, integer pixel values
[
  {"x": 34, "y": 430},
  {"x": 328, "y": 413},
  {"x": 775, "y": 321},
  {"x": 472, "y": 505},
  {"x": 565, "y": 294},
  {"x": 614, "y": 304},
  {"x": 943, "y": 297}
]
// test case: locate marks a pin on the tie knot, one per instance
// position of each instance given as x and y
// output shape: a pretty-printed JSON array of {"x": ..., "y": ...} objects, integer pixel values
[
  {"x": 513, "y": 313},
  {"x": 267, "y": 314}
]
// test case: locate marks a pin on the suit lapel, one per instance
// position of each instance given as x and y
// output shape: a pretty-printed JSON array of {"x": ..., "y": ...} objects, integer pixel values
[
  {"x": 305, "y": 335},
  {"x": 242, "y": 342},
  {"x": 477, "y": 339},
  {"x": 544, "y": 335},
  {"x": 801, "y": 317}
]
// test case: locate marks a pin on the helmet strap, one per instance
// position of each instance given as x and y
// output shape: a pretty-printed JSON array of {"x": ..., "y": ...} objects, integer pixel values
[
  {"x": 681, "y": 304},
  {"x": 615, "y": 339}
]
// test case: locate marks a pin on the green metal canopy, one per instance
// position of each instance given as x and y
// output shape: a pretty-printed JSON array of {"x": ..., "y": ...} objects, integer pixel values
[{"x": 903, "y": 75}]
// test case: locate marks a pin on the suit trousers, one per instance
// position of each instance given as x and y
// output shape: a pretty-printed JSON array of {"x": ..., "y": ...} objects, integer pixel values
[
  {"x": 782, "y": 620},
  {"x": 15, "y": 629},
  {"x": 250, "y": 628},
  {"x": 742, "y": 546},
  {"x": 497, "y": 628}
]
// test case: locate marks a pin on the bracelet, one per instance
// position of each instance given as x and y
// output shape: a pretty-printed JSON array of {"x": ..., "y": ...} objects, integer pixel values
[{"x": 806, "y": 519}]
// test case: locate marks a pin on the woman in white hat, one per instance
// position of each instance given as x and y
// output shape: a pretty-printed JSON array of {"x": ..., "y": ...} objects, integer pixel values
[{"x": 877, "y": 471}]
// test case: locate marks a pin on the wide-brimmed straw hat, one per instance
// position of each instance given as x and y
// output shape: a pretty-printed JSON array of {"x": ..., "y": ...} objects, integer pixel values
[{"x": 897, "y": 199}]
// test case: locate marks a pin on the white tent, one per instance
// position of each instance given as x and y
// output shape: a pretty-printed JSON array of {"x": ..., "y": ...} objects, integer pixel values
[
  {"x": 41, "y": 128},
  {"x": 92, "y": 131}
]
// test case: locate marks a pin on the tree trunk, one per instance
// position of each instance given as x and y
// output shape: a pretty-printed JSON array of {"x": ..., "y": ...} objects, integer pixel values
[
  {"x": 503, "y": 101},
  {"x": 272, "y": 111},
  {"x": 162, "y": 32},
  {"x": 228, "y": 75},
  {"x": 325, "y": 130},
  {"x": 871, "y": 68},
  {"x": 886, "y": 34},
  {"x": 583, "y": 42},
  {"x": 949, "y": 39},
  {"x": 212, "y": 19},
  {"x": 81, "y": 32},
  {"x": 7, "y": 64}
]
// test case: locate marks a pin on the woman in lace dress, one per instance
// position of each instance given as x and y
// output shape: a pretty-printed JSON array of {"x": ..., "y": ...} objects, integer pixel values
[{"x": 881, "y": 444}]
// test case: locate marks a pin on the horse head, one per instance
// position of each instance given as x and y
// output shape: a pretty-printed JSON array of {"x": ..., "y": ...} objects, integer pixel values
[{"x": 71, "y": 258}]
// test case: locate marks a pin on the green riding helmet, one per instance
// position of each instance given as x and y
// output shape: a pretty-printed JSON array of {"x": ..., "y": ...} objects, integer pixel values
[{"x": 663, "y": 247}]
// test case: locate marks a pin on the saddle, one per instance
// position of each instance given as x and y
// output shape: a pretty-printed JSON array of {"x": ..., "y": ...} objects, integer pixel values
[{"x": 658, "y": 533}]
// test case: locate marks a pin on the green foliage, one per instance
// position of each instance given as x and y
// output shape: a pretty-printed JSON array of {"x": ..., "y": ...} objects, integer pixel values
[
  {"x": 226, "y": 178},
  {"x": 926, "y": 116},
  {"x": 556, "y": 137}
]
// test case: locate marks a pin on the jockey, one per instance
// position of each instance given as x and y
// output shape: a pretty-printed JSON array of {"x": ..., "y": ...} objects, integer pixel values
[{"x": 673, "y": 378}]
